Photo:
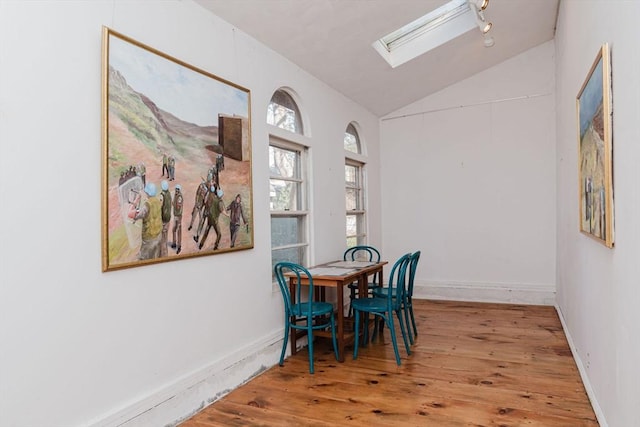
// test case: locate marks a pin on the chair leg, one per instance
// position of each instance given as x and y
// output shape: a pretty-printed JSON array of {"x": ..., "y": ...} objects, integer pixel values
[
  {"x": 394, "y": 341},
  {"x": 376, "y": 321},
  {"x": 405, "y": 309},
  {"x": 310, "y": 347},
  {"x": 365, "y": 330},
  {"x": 413, "y": 319},
  {"x": 356, "y": 339},
  {"x": 287, "y": 328},
  {"x": 352, "y": 296},
  {"x": 333, "y": 337},
  {"x": 402, "y": 329}
]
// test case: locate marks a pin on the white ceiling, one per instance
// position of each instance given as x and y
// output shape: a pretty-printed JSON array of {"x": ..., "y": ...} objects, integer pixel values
[{"x": 331, "y": 39}]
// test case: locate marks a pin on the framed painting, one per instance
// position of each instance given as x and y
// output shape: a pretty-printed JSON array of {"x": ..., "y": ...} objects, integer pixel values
[
  {"x": 176, "y": 158},
  {"x": 595, "y": 154}
]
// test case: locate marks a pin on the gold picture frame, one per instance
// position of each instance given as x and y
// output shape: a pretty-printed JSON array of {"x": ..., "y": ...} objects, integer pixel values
[
  {"x": 595, "y": 151},
  {"x": 176, "y": 158}
]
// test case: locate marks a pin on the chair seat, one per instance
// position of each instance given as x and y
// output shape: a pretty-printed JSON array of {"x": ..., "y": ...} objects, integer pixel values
[
  {"x": 317, "y": 309},
  {"x": 370, "y": 304},
  {"x": 370, "y": 285}
]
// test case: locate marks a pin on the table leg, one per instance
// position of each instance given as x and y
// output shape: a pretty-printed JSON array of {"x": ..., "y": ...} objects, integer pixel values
[
  {"x": 340, "y": 319},
  {"x": 363, "y": 292}
]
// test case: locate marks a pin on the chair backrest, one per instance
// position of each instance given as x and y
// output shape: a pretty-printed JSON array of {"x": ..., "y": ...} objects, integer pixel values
[
  {"x": 413, "y": 266},
  {"x": 369, "y": 253},
  {"x": 283, "y": 282},
  {"x": 397, "y": 281}
]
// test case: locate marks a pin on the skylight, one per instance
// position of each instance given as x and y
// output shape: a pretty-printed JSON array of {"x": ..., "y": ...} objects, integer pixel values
[
  {"x": 426, "y": 23},
  {"x": 428, "y": 32}
]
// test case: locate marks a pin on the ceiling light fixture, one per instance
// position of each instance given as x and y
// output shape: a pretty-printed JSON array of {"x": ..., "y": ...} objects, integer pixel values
[
  {"x": 484, "y": 25},
  {"x": 478, "y": 7},
  {"x": 481, "y": 4}
]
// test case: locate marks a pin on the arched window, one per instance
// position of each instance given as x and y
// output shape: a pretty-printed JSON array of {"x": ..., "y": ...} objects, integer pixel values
[
  {"x": 354, "y": 189},
  {"x": 351, "y": 139},
  {"x": 288, "y": 163},
  {"x": 283, "y": 112}
]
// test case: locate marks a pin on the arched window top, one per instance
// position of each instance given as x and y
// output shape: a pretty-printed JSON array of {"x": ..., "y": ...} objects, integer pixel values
[
  {"x": 283, "y": 112},
  {"x": 352, "y": 140}
]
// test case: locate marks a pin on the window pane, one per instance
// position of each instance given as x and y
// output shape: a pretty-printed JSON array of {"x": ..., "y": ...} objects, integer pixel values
[
  {"x": 283, "y": 112},
  {"x": 350, "y": 143},
  {"x": 281, "y": 117},
  {"x": 352, "y": 241},
  {"x": 352, "y": 199},
  {"x": 352, "y": 225},
  {"x": 284, "y": 163},
  {"x": 351, "y": 139},
  {"x": 291, "y": 255},
  {"x": 285, "y": 195},
  {"x": 285, "y": 231},
  {"x": 351, "y": 175}
]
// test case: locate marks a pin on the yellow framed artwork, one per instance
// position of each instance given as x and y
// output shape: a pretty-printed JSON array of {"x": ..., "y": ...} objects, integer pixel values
[{"x": 176, "y": 158}]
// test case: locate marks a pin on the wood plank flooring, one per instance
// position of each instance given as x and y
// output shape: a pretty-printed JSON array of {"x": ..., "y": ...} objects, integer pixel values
[{"x": 473, "y": 364}]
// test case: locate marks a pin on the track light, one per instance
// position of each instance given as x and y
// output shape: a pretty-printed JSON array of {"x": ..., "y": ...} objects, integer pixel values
[
  {"x": 476, "y": 7},
  {"x": 481, "y": 4},
  {"x": 482, "y": 22},
  {"x": 484, "y": 26}
]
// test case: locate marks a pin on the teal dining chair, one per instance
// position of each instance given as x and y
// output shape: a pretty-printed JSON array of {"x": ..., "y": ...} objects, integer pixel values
[
  {"x": 406, "y": 305},
  {"x": 301, "y": 312},
  {"x": 361, "y": 252},
  {"x": 385, "y": 306}
]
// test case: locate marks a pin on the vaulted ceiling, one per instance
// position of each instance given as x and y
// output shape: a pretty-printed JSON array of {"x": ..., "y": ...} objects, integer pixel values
[{"x": 331, "y": 39}]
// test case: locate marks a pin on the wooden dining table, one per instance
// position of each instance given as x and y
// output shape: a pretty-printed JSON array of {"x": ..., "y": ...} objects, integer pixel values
[{"x": 337, "y": 274}]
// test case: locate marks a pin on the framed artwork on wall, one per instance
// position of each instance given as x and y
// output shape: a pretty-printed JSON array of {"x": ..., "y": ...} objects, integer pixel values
[
  {"x": 595, "y": 167},
  {"x": 176, "y": 158}
]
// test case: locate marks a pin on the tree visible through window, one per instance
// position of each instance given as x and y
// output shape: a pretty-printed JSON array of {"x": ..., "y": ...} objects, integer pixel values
[
  {"x": 351, "y": 139},
  {"x": 283, "y": 112}
]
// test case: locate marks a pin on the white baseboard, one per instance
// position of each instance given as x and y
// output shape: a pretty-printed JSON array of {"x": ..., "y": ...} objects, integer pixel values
[
  {"x": 583, "y": 372},
  {"x": 187, "y": 396},
  {"x": 511, "y": 293}
]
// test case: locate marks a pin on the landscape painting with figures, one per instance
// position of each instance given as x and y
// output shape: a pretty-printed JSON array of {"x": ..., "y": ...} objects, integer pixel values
[
  {"x": 595, "y": 161},
  {"x": 176, "y": 170}
]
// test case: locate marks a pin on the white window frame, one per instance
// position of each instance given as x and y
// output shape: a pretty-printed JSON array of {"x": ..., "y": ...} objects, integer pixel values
[
  {"x": 303, "y": 213},
  {"x": 360, "y": 213}
]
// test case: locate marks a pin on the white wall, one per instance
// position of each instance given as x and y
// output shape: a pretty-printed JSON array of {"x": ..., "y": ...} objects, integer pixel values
[
  {"x": 598, "y": 289},
  {"x": 468, "y": 177},
  {"x": 81, "y": 347}
]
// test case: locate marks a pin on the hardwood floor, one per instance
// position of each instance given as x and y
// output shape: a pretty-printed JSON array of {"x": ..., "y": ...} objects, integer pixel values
[{"x": 473, "y": 364}]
